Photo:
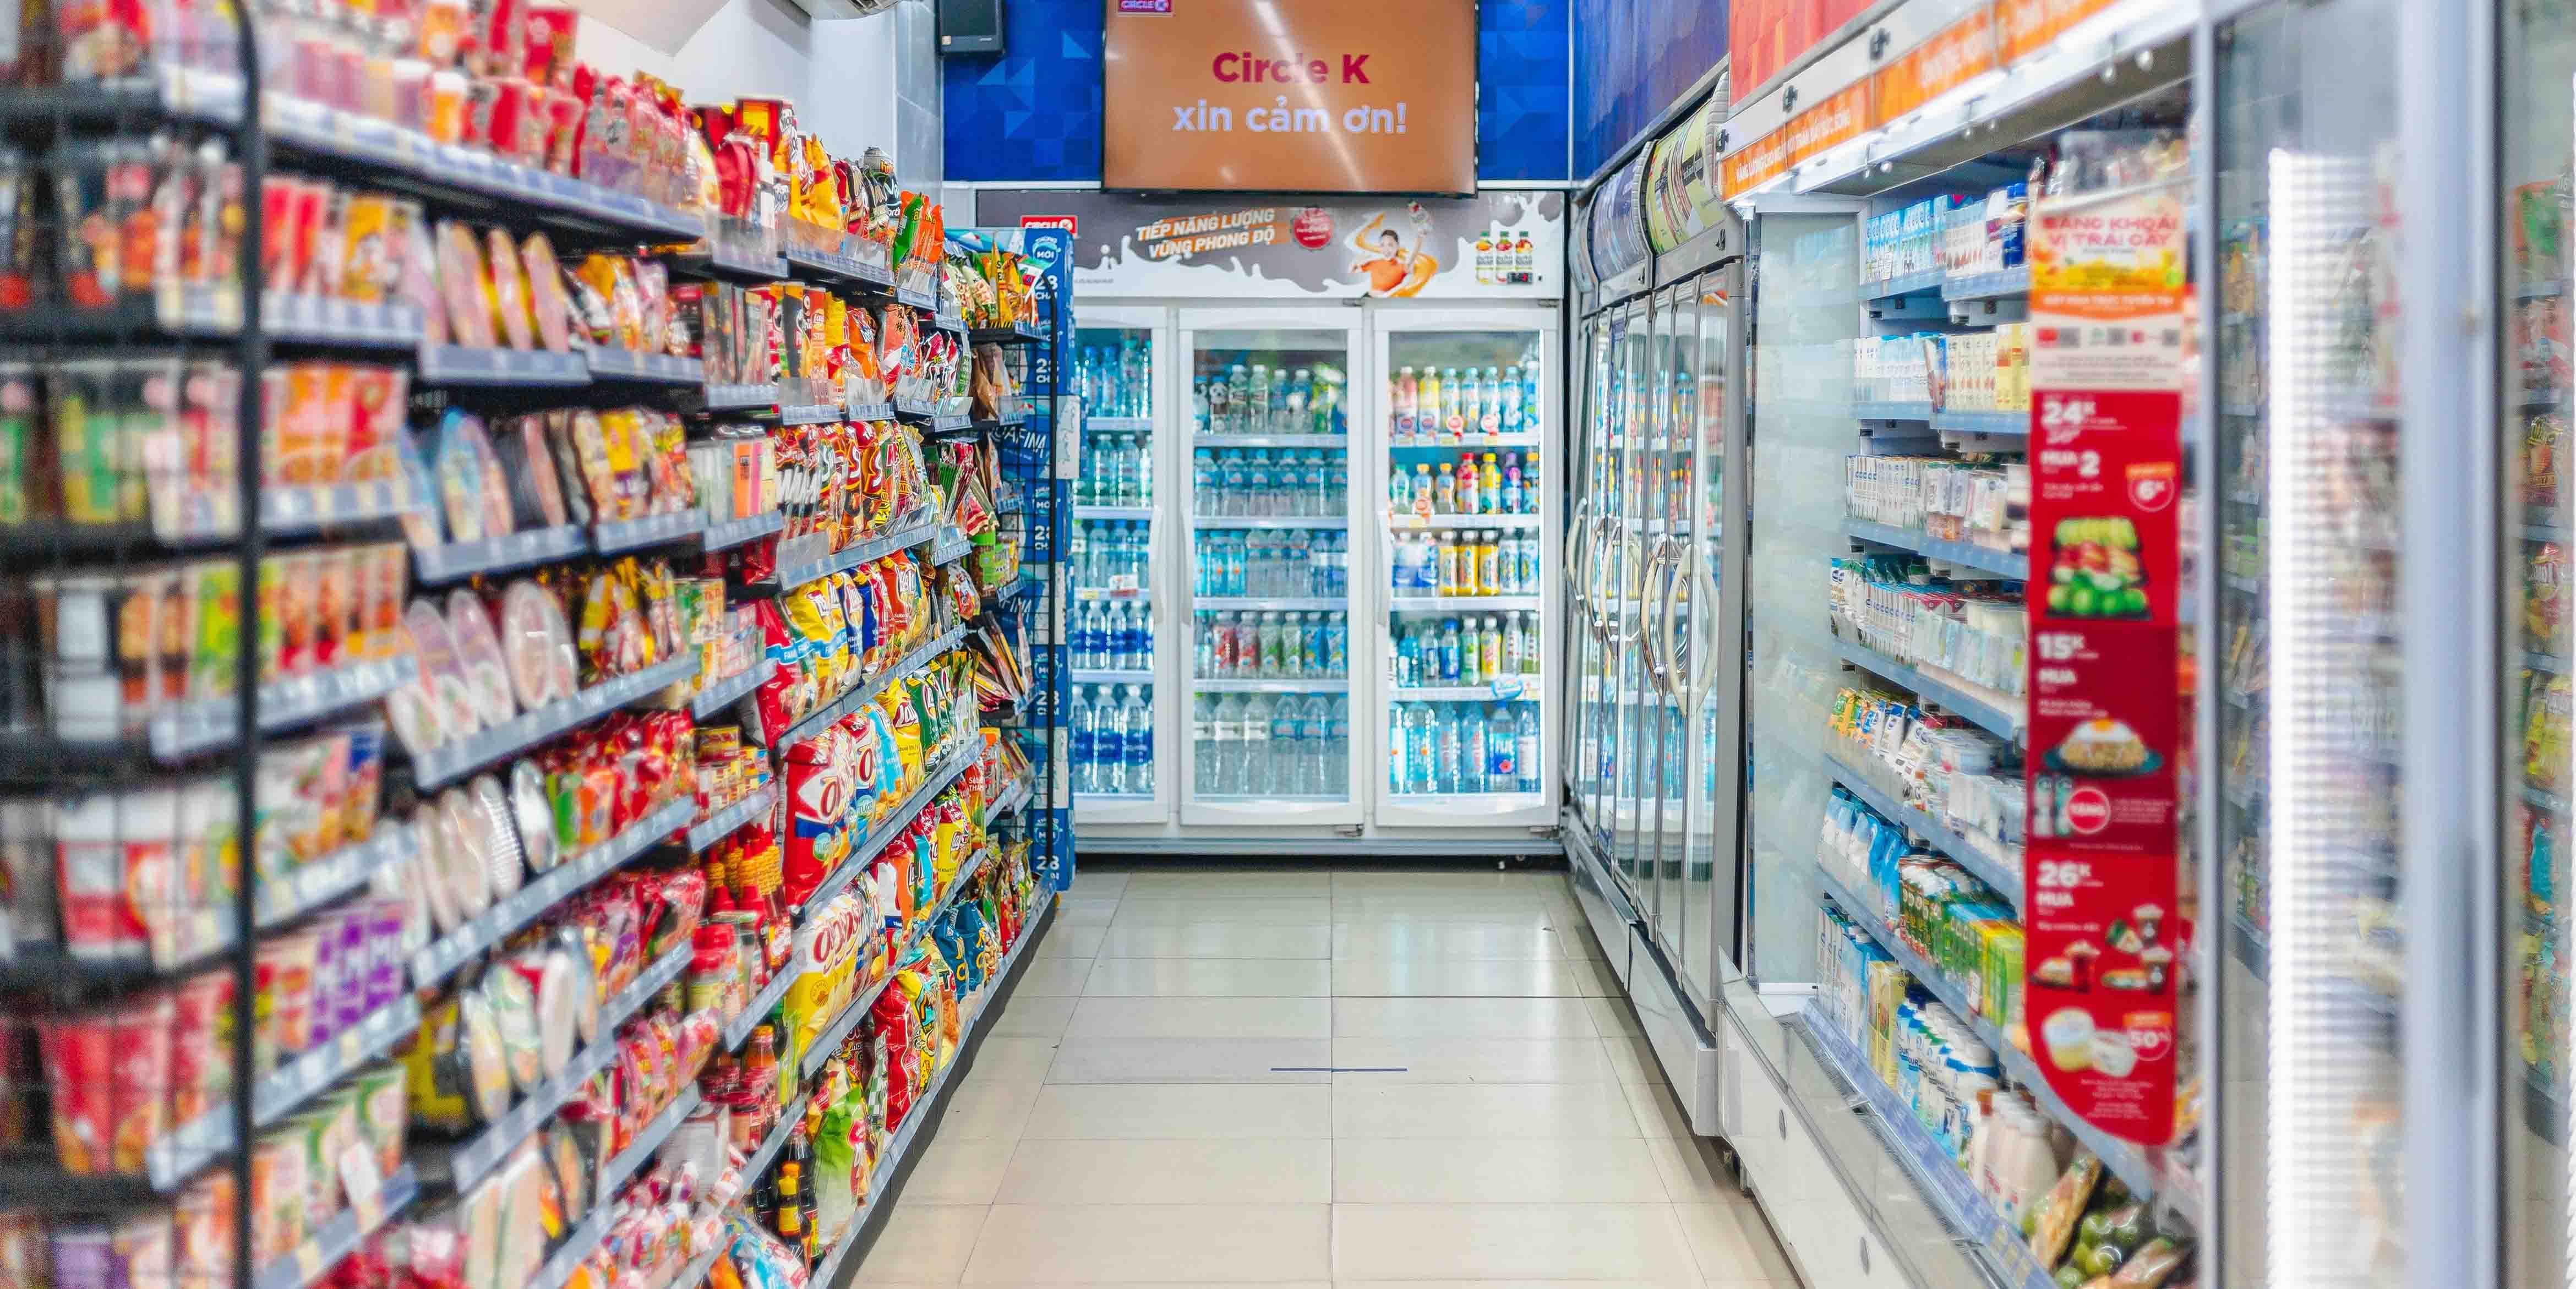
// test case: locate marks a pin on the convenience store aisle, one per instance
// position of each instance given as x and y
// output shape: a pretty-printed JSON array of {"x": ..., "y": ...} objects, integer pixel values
[{"x": 1318, "y": 1077}]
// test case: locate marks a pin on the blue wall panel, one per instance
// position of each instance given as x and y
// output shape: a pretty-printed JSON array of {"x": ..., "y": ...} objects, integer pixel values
[
  {"x": 1633, "y": 58},
  {"x": 1033, "y": 115}
]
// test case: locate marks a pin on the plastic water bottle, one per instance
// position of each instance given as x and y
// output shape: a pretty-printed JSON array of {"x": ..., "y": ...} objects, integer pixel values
[
  {"x": 1402, "y": 398},
  {"x": 1085, "y": 743},
  {"x": 1258, "y": 753},
  {"x": 1108, "y": 742},
  {"x": 1399, "y": 769},
  {"x": 1525, "y": 747},
  {"x": 1449, "y": 651},
  {"x": 1447, "y": 753},
  {"x": 1502, "y": 751},
  {"x": 1421, "y": 750},
  {"x": 1141, "y": 469},
  {"x": 1139, "y": 720},
  {"x": 1471, "y": 653},
  {"x": 1257, "y": 484},
  {"x": 1337, "y": 645},
  {"x": 1287, "y": 745},
  {"x": 1086, "y": 638},
  {"x": 1337, "y": 747},
  {"x": 1472, "y": 751}
]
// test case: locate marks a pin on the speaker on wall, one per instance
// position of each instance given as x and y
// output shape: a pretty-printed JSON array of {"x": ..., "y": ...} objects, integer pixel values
[{"x": 970, "y": 27}]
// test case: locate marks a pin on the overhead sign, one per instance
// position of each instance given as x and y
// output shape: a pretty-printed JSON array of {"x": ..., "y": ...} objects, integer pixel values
[
  {"x": 1492, "y": 246},
  {"x": 1764, "y": 36},
  {"x": 1957, "y": 54},
  {"x": 1321, "y": 96}
]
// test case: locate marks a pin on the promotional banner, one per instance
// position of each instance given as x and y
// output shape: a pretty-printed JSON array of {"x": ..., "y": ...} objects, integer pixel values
[
  {"x": 2108, "y": 720},
  {"x": 1345, "y": 96},
  {"x": 1493, "y": 246}
]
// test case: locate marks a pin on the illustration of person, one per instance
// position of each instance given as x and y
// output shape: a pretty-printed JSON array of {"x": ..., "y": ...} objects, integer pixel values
[{"x": 1391, "y": 269}]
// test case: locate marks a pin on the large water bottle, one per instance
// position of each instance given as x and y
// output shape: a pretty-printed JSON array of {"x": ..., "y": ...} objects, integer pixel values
[
  {"x": 1229, "y": 485},
  {"x": 1268, "y": 666},
  {"x": 1399, "y": 750},
  {"x": 1337, "y": 645},
  {"x": 1258, "y": 398},
  {"x": 1287, "y": 749},
  {"x": 1257, "y": 751},
  {"x": 1298, "y": 554},
  {"x": 1225, "y": 746},
  {"x": 1337, "y": 747},
  {"x": 1142, "y": 470},
  {"x": 1449, "y": 651},
  {"x": 1529, "y": 393},
  {"x": 1086, "y": 638},
  {"x": 1421, "y": 749},
  {"x": 1085, "y": 742},
  {"x": 1526, "y": 749},
  {"x": 1109, "y": 746},
  {"x": 1261, "y": 485},
  {"x": 1447, "y": 751},
  {"x": 1471, "y": 653},
  {"x": 1141, "y": 656},
  {"x": 1139, "y": 720},
  {"x": 1122, "y": 637},
  {"x": 1203, "y": 644},
  {"x": 1204, "y": 745},
  {"x": 1514, "y": 399},
  {"x": 1203, "y": 480},
  {"x": 1294, "y": 404},
  {"x": 1472, "y": 749},
  {"x": 1341, "y": 565},
  {"x": 1502, "y": 751}
]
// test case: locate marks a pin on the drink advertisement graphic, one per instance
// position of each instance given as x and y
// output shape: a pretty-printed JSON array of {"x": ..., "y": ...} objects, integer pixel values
[{"x": 2103, "y": 935}]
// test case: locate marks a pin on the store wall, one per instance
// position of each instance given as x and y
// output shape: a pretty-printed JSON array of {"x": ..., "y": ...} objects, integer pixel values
[
  {"x": 856, "y": 82},
  {"x": 1632, "y": 59},
  {"x": 1032, "y": 115}
]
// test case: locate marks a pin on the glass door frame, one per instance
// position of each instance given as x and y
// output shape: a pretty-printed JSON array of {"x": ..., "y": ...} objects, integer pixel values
[
  {"x": 1156, "y": 322},
  {"x": 1587, "y": 701},
  {"x": 1189, "y": 323},
  {"x": 1392, "y": 810}
]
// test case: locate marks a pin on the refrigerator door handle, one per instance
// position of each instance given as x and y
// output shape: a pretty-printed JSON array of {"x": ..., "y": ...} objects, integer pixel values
[
  {"x": 1674, "y": 671},
  {"x": 1705, "y": 651},
  {"x": 1574, "y": 548},
  {"x": 1649, "y": 627}
]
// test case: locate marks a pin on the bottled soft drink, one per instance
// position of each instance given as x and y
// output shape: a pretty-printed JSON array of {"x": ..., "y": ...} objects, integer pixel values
[
  {"x": 1424, "y": 490},
  {"x": 1449, "y": 651},
  {"x": 1399, "y": 493},
  {"x": 1489, "y": 562},
  {"x": 1453, "y": 405},
  {"x": 1512, "y": 646},
  {"x": 1529, "y": 483},
  {"x": 1471, "y": 653},
  {"x": 1405, "y": 391},
  {"x": 1491, "y": 418},
  {"x": 1514, "y": 494},
  {"x": 1245, "y": 407},
  {"x": 1341, "y": 570},
  {"x": 1444, "y": 492},
  {"x": 1268, "y": 666},
  {"x": 1492, "y": 640},
  {"x": 1140, "y": 743},
  {"x": 1426, "y": 416},
  {"x": 1512, "y": 404},
  {"x": 1448, "y": 580},
  {"x": 1529, "y": 642},
  {"x": 1328, "y": 403},
  {"x": 1337, "y": 645},
  {"x": 1489, "y": 478},
  {"x": 1529, "y": 392},
  {"x": 1087, "y": 637},
  {"x": 1470, "y": 486},
  {"x": 1471, "y": 402},
  {"x": 1525, "y": 747}
]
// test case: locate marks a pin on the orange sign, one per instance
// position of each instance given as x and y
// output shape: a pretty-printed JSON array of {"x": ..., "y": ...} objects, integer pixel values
[
  {"x": 2026, "y": 26},
  {"x": 1765, "y": 36},
  {"x": 1836, "y": 120},
  {"x": 1317, "y": 96},
  {"x": 1961, "y": 52}
]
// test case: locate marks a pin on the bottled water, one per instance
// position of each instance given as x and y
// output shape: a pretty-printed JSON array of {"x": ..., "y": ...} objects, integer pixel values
[
  {"x": 1203, "y": 745},
  {"x": 1502, "y": 751},
  {"x": 1300, "y": 560},
  {"x": 1140, "y": 641},
  {"x": 1301, "y": 396},
  {"x": 1085, "y": 743},
  {"x": 1139, "y": 720},
  {"x": 1449, "y": 651},
  {"x": 1269, "y": 667},
  {"x": 1317, "y": 773},
  {"x": 1473, "y": 757},
  {"x": 1257, "y": 401},
  {"x": 1447, "y": 754},
  {"x": 1257, "y": 485},
  {"x": 1399, "y": 771},
  {"x": 1257, "y": 769},
  {"x": 1287, "y": 747},
  {"x": 1420, "y": 750},
  {"x": 1109, "y": 745},
  {"x": 1142, "y": 471},
  {"x": 1525, "y": 747},
  {"x": 1203, "y": 644},
  {"x": 1337, "y": 746},
  {"x": 1086, "y": 638}
]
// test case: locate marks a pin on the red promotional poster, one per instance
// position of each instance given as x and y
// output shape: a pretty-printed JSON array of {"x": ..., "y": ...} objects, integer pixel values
[{"x": 2104, "y": 935}]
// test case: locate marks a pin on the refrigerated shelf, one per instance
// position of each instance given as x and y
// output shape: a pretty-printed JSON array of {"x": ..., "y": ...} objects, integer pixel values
[
  {"x": 1462, "y": 603},
  {"x": 1318, "y": 686},
  {"x": 1269, "y": 521},
  {"x": 1462, "y": 521},
  {"x": 1252, "y": 440},
  {"x": 2001, "y": 873},
  {"x": 1291, "y": 604},
  {"x": 1963, "y": 554},
  {"x": 1998, "y": 714}
]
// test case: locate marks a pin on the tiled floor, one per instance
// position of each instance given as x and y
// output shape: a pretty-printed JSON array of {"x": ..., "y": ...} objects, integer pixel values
[{"x": 1319, "y": 1078}]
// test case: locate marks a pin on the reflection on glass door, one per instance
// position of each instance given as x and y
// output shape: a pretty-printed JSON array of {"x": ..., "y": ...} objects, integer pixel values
[
  {"x": 1668, "y": 590},
  {"x": 1269, "y": 560},
  {"x": 1111, "y": 624},
  {"x": 1596, "y": 515},
  {"x": 1631, "y": 769},
  {"x": 1462, "y": 651},
  {"x": 2305, "y": 439},
  {"x": 2538, "y": 49},
  {"x": 1704, "y": 649}
]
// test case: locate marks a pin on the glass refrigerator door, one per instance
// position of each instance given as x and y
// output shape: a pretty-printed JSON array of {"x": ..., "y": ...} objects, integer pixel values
[
  {"x": 2538, "y": 52},
  {"x": 1704, "y": 648},
  {"x": 1666, "y": 606},
  {"x": 1115, "y": 621},
  {"x": 1466, "y": 540},
  {"x": 1268, "y": 554},
  {"x": 2306, "y": 1162},
  {"x": 1596, "y": 519},
  {"x": 1631, "y": 546}
]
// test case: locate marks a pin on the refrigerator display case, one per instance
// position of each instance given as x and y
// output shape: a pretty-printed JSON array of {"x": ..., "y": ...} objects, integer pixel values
[
  {"x": 1464, "y": 541},
  {"x": 1115, "y": 627},
  {"x": 1266, "y": 524}
]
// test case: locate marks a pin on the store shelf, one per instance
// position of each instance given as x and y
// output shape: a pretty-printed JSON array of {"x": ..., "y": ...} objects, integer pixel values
[
  {"x": 727, "y": 533},
  {"x": 2551, "y": 662},
  {"x": 906, "y": 291},
  {"x": 1085, "y": 512},
  {"x": 341, "y": 1235},
  {"x": 651, "y": 530},
  {"x": 1463, "y": 603},
  {"x": 827, "y": 1040},
  {"x": 1238, "y": 440},
  {"x": 1968, "y": 422},
  {"x": 463, "y": 365},
  {"x": 942, "y": 773},
  {"x": 1270, "y": 521},
  {"x": 1881, "y": 409},
  {"x": 210, "y": 725},
  {"x": 1450, "y": 443},
  {"x": 720, "y": 259},
  {"x": 1462, "y": 521},
  {"x": 884, "y": 1180},
  {"x": 1285, "y": 604},
  {"x": 1113, "y": 677},
  {"x": 808, "y": 413},
  {"x": 950, "y": 322},
  {"x": 1952, "y": 1195},
  {"x": 451, "y": 761},
  {"x": 497, "y": 923},
  {"x": 2548, "y": 290},
  {"x": 1020, "y": 793},
  {"x": 1995, "y": 871},
  {"x": 801, "y": 560},
  {"x": 207, "y": 310},
  {"x": 866, "y": 691},
  {"x": 458, "y": 561},
  {"x": 1116, "y": 595},
  {"x": 457, "y": 1168},
  {"x": 1909, "y": 284},
  {"x": 1997, "y": 285},
  {"x": 1121, "y": 425},
  {"x": 1017, "y": 333},
  {"x": 613, "y": 1177},
  {"x": 720, "y": 825},
  {"x": 1523, "y": 689},
  {"x": 1272, "y": 686},
  {"x": 1998, "y": 714},
  {"x": 650, "y": 368},
  {"x": 951, "y": 546},
  {"x": 1963, "y": 554},
  {"x": 759, "y": 1008},
  {"x": 757, "y": 1162},
  {"x": 2123, "y": 1159},
  {"x": 742, "y": 398},
  {"x": 315, "y": 883},
  {"x": 717, "y": 698},
  {"x": 1472, "y": 802},
  {"x": 847, "y": 268}
]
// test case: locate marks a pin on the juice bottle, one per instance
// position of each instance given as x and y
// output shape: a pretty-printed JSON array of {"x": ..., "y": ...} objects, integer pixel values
[
  {"x": 1426, "y": 413},
  {"x": 1491, "y": 476},
  {"x": 1492, "y": 420},
  {"x": 1453, "y": 405},
  {"x": 1406, "y": 391},
  {"x": 1509, "y": 499},
  {"x": 1448, "y": 564},
  {"x": 1445, "y": 495},
  {"x": 1470, "y": 490},
  {"x": 1485, "y": 275},
  {"x": 1529, "y": 483},
  {"x": 1524, "y": 259},
  {"x": 1422, "y": 499}
]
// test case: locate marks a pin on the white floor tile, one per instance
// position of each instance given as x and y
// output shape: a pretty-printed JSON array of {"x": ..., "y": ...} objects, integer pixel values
[
  {"x": 1484, "y": 1241},
  {"x": 1195, "y": 910},
  {"x": 1311, "y": 884},
  {"x": 924, "y": 1242},
  {"x": 1487, "y": 939},
  {"x": 959, "y": 1169},
  {"x": 1193, "y": 1060},
  {"x": 1072, "y": 941},
  {"x": 1463, "y": 978},
  {"x": 1184, "y": 1111},
  {"x": 1216, "y": 940},
  {"x": 1012, "y": 1058},
  {"x": 1515, "y": 908},
  {"x": 1209, "y": 978},
  {"x": 1091, "y": 882},
  {"x": 1100, "y": 1017},
  {"x": 1052, "y": 978},
  {"x": 1657, "y": 1113},
  {"x": 1146, "y": 1171},
  {"x": 1080, "y": 910},
  {"x": 1033, "y": 1016},
  {"x": 1731, "y": 1241},
  {"x": 1153, "y": 1243},
  {"x": 1691, "y": 1171},
  {"x": 1494, "y": 1170},
  {"x": 988, "y": 1108},
  {"x": 1461, "y": 1018},
  {"x": 1471, "y": 1060},
  {"x": 1613, "y": 1016},
  {"x": 1389, "y": 1109}
]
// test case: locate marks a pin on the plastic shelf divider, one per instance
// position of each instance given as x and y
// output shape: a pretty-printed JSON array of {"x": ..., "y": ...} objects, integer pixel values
[{"x": 651, "y": 530}]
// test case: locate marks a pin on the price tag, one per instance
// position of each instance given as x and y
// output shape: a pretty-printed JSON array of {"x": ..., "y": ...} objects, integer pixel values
[
  {"x": 308, "y": 1260},
  {"x": 352, "y": 1045},
  {"x": 365, "y": 1184}
]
